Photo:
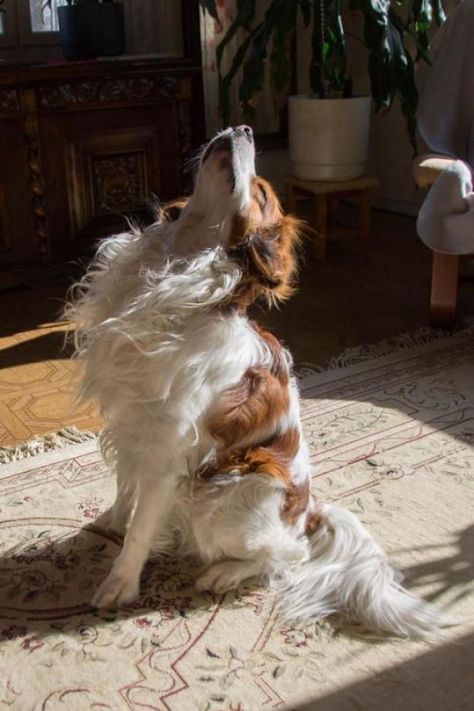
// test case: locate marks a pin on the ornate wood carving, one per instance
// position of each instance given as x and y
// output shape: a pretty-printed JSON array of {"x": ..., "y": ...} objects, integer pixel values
[
  {"x": 94, "y": 139},
  {"x": 107, "y": 90},
  {"x": 119, "y": 181},
  {"x": 9, "y": 100},
  {"x": 110, "y": 172},
  {"x": 40, "y": 222},
  {"x": 3, "y": 230},
  {"x": 185, "y": 167}
]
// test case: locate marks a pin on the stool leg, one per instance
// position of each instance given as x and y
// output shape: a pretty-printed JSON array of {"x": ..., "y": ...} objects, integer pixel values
[
  {"x": 290, "y": 199},
  {"x": 364, "y": 220},
  {"x": 333, "y": 211},
  {"x": 444, "y": 289},
  {"x": 321, "y": 226}
]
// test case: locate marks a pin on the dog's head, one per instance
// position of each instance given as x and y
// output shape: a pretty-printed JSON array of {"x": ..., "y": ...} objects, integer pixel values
[{"x": 239, "y": 211}]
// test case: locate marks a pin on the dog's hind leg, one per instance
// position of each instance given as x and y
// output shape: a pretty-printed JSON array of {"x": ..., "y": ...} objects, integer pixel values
[{"x": 228, "y": 575}]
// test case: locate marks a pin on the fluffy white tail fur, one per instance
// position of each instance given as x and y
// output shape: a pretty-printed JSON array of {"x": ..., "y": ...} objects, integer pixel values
[{"x": 348, "y": 572}]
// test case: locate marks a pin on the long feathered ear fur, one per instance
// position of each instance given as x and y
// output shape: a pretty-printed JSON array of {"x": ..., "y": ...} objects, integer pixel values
[
  {"x": 264, "y": 262},
  {"x": 267, "y": 257}
]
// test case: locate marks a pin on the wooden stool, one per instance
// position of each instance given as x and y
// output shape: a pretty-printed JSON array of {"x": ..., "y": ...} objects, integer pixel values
[{"x": 326, "y": 193}]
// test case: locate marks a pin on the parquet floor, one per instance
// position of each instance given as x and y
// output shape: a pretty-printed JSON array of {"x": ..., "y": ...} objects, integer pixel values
[{"x": 37, "y": 376}]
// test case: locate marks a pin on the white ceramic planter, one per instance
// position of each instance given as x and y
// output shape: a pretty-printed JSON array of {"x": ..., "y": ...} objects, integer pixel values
[{"x": 329, "y": 138}]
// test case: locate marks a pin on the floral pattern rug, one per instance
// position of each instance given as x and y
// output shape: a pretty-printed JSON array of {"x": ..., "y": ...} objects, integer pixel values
[{"x": 392, "y": 439}]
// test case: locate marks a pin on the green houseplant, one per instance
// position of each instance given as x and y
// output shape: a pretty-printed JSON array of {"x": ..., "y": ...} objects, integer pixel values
[
  {"x": 394, "y": 32},
  {"x": 90, "y": 28}
]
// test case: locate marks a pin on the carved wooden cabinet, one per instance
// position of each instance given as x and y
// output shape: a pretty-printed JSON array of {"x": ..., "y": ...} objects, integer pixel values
[{"x": 83, "y": 144}]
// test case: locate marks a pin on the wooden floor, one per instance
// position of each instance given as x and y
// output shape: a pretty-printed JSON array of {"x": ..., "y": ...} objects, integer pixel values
[
  {"x": 37, "y": 376},
  {"x": 346, "y": 300}
]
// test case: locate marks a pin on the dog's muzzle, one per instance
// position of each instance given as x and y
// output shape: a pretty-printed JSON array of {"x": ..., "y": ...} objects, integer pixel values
[{"x": 229, "y": 141}]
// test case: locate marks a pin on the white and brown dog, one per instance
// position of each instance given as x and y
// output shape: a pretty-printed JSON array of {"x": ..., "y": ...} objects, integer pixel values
[{"x": 202, "y": 416}]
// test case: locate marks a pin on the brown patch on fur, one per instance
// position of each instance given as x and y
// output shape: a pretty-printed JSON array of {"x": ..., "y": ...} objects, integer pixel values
[
  {"x": 264, "y": 240},
  {"x": 271, "y": 459},
  {"x": 259, "y": 398},
  {"x": 313, "y": 519},
  {"x": 279, "y": 365},
  {"x": 264, "y": 208},
  {"x": 295, "y": 502}
]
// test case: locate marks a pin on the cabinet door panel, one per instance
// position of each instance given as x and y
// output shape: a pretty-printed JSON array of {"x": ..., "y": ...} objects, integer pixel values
[{"x": 102, "y": 164}]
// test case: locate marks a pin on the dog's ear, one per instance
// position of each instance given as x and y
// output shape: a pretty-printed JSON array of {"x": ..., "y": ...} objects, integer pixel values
[
  {"x": 268, "y": 261},
  {"x": 264, "y": 261}
]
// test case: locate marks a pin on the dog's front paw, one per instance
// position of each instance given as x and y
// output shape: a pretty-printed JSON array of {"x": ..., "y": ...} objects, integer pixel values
[{"x": 119, "y": 588}]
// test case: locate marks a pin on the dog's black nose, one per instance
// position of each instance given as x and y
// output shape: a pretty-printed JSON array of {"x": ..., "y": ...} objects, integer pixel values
[{"x": 247, "y": 131}]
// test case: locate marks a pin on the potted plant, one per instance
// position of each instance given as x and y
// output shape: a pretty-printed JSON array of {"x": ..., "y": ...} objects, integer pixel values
[
  {"x": 329, "y": 129},
  {"x": 90, "y": 28}
]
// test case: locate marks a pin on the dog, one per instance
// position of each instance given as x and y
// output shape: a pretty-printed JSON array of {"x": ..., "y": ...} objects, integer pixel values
[{"x": 201, "y": 409}]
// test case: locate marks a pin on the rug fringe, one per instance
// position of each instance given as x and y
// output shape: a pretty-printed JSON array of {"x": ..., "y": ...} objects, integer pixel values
[
  {"x": 358, "y": 354},
  {"x": 45, "y": 443},
  {"x": 350, "y": 356}
]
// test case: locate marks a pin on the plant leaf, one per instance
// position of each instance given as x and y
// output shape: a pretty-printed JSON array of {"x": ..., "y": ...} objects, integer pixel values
[
  {"x": 244, "y": 17},
  {"x": 438, "y": 12},
  {"x": 280, "y": 61},
  {"x": 254, "y": 66}
]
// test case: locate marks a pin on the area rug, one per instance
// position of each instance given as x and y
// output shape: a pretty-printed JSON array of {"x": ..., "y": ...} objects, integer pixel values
[{"x": 392, "y": 439}]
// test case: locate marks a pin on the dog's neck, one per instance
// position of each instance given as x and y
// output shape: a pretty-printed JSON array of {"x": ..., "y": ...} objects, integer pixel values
[
  {"x": 206, "y": 221},
  {"x": 196, "y": 231}
]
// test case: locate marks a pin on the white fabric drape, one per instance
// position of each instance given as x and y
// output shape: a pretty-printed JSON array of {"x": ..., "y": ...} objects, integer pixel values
[{"x": 446, "y": 124}]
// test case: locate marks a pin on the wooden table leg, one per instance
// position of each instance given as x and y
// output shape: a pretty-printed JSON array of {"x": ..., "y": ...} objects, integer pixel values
[
  {"x": 321, "y": 226},
  {"x": 364, "y": 220},
  {"x": 444, "y": 289}
]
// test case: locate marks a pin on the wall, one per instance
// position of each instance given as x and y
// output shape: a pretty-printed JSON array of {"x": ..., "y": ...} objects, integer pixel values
[
  {"x": 153, "y": 27},
  {"x": 274, "y": 165}
]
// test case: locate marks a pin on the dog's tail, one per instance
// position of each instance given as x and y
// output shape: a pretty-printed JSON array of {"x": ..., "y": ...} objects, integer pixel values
[{"x": 348, "y": 572}]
